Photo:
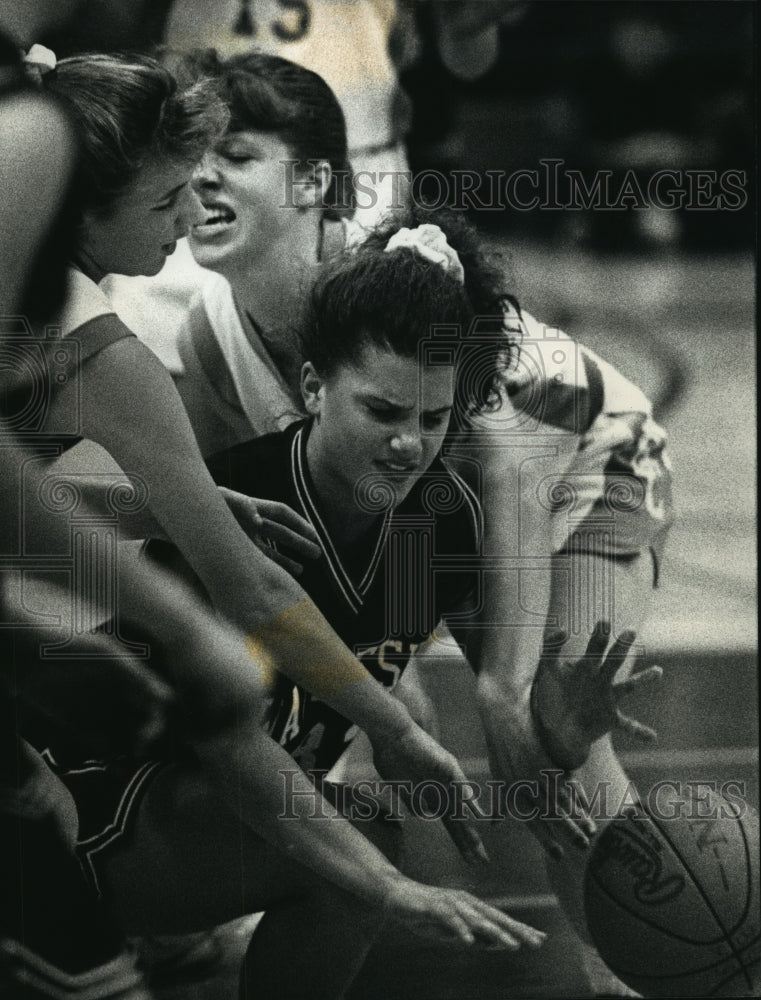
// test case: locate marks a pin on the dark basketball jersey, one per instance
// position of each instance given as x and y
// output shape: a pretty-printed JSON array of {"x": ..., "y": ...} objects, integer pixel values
[{"x": 418, "y": 565}]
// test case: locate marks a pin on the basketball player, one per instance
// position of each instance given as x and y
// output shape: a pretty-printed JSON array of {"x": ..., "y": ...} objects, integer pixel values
[
  {"x": 346, "y": 43},
  {"x": 365, "y": 470},
  {"x": 54, "y": 937},
  {"x": 131, "y": 215}
]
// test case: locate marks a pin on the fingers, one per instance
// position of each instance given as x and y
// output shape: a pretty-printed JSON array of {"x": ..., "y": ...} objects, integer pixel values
[
  {"x": 292, "y": 567},
  {"x": 649, "y": 676},
  {"x": 577, "y": 831},
  {"x": 464, "y": 835},
  {"x": 616, "y": 656},
  {"x": 552, "y": 832},
  {"x": 559, "y": 820},
  {"x": 467, "y": 840},
  {"x": 547, "y": 835},
  {"x": 244, "y": 508},
  {"x": 598, "y": 641},
  {"x": 552, "y": 642},
  {"x": 274, "y": 521},
  {"x": 281, "y": 513},
  {"x": 493, "y": 928},
  {"x": 459, "y": 928},
  {"x": 292, "y": 539},
  {"x": 636, "y": 729}
]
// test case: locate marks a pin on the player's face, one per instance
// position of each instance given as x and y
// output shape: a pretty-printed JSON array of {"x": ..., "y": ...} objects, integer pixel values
[
  {"x": 241, "y": 184},
  {"x": 386, "y": 416},
  {"x": 142, "y": 227}
]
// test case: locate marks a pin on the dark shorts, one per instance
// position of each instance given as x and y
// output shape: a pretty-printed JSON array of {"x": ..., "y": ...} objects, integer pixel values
[{"x": 107, "y": 795}]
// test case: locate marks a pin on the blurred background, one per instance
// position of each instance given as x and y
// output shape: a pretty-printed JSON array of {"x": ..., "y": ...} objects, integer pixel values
[{"x": 601, "y": 86}]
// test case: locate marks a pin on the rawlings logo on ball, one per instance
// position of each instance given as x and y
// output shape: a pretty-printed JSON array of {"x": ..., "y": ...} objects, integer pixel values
[{"x": 641, "y": 859}]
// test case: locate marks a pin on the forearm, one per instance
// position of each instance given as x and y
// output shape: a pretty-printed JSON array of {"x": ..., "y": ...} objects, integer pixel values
[
  {"x": 505, "y": 638},
  {"x": 269, "y": 793},
  {"x": 78, "y": 465},
  {"x": 299, "y": 643},
  {"x": 213, "y": 655},
  {"x": 515, "y": 601},
  {"x": 508, "y": 651}
]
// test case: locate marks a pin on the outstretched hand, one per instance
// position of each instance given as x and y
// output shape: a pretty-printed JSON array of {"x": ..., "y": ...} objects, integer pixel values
[
  {"x": 452, "y": 915},
  {"x": 267, "y": 522},
  {"x": 575, "y": 702},
  {"x": 414, "y": 757}
]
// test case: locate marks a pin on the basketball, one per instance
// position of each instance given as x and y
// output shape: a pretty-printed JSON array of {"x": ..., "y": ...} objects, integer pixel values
[{"x": 672, "y": 896}]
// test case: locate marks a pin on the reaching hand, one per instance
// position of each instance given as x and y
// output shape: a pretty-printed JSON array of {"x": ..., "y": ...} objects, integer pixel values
[
  {"x": 448, "y": 915},
  {"x": 575, "y": 702},
  {"x": 536, "y": 790},
  {"x": 414, "y": 756},
  {"x": 267, "y": 521}
]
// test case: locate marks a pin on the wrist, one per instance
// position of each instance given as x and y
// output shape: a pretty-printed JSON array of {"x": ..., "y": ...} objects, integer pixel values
[
  {"x": 559, "y": 754},
  {"x": 393, "y": 722},
  {"x": 493, "y": 696},
  {"x": 392, "y": 891}
]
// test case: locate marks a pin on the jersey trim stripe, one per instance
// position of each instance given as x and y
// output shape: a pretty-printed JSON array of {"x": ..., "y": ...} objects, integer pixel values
[
  {"x": 354, "y": 595},
  {"x": 116, "y": 828},
  {"x": 473, "y": 505}
]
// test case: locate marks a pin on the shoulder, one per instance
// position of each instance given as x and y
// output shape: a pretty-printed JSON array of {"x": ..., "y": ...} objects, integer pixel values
[
  {"x": 95, "y": 335},
  {"x": 157, "y": 308},
  {"x": 38, "y": 131},
  {"x": 563, "y": 383},
  {"x": 87, "y": 319}
]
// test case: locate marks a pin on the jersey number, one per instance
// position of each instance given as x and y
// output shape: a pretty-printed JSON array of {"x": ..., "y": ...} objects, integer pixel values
[{"x": 245, "y": 23}]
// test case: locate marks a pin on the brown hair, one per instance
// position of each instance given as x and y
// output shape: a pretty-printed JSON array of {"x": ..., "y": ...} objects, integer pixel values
[{"x": 129, "y": 111}]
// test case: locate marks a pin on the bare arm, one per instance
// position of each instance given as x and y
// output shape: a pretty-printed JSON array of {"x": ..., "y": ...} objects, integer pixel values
[
  {"x": 503, "y": 641},
  {"x": 211, "y": 664},
  {"x": 131, "y": 408}
]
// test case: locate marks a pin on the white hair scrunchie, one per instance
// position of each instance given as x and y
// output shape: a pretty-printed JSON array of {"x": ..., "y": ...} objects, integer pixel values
[
  {"x": 430, "y": 242},
  {"x": 40, "y": 60}
]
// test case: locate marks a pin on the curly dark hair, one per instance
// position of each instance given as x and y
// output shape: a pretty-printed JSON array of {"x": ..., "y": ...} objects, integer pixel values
[
  {"x": 487, "y": 346},
  {"x": 397, "y": 300},
  {"x": 488, "y": 272},
  {"x": 392, "y": 300}
]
